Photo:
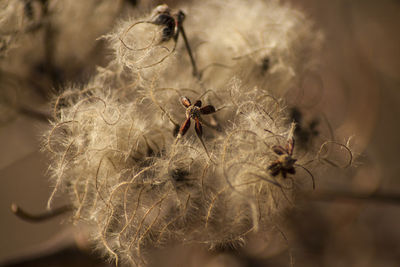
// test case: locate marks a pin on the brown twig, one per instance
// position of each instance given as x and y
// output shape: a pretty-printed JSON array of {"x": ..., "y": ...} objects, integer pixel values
[
  {"x": 34, "y": 114},
  {"x": 36, "y": 218},
  {"x": 384, "y": 198}
]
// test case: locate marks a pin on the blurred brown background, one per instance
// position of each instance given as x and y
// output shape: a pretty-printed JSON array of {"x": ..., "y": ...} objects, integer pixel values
[{"x": 360, "y": 69}]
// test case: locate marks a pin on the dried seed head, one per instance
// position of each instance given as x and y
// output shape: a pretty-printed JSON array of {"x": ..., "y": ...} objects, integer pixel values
[
  {"x": 129, "y": 177},
  {"x": 264, "y": 43}
]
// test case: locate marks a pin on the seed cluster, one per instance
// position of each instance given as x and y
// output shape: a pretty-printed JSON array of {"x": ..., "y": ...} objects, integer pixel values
[{"x": 139, "y": 176}]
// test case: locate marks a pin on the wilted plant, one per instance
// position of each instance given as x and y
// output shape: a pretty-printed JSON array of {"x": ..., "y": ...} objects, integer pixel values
[{"x": 115, "y": 154}]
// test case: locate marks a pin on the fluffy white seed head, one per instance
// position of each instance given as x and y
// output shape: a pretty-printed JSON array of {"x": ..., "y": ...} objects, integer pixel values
[{"x": 114, "y": 144}]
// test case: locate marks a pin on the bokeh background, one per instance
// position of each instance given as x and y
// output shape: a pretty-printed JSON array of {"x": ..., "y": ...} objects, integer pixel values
[{"x": 353, "y": 217}]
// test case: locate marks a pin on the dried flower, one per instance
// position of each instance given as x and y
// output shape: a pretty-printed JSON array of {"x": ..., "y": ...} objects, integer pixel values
[{"x": 113, "y": 146}]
